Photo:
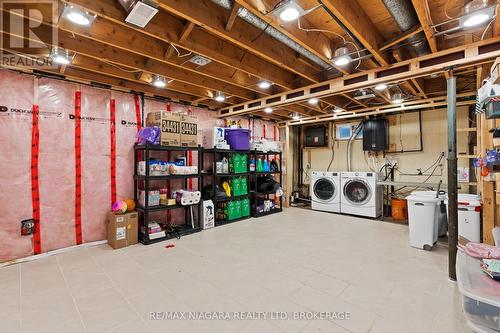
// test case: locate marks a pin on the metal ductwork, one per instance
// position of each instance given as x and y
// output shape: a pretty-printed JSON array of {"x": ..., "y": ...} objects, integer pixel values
[
  {"x": 276, "y": 34},
  {"x": 406, "y": 18},
  {"x": 139, "y": 12}
]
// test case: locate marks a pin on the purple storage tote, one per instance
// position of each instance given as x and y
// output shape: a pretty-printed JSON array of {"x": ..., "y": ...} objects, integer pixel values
[{"x": 238, "y": 138}]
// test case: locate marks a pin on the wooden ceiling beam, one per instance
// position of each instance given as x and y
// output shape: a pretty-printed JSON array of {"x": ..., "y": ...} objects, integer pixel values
[
  {"x": 315, "y": 42},
  {"x": 106, "y": 32},
  {"x": 233, "y": 16},
  {"x": 99, "y": 48},
  {"x": 363, "y": 113},
  {"x": 213, "y": 18},
  {"x": 420, "y": 8},
  {"x": 401, "y": 38},
  {"x": 352, "y": 15},
  {"x": 434, "y": 63},
  {"x": 95, "y": 66},
  {"x": 168, "y": 28}
]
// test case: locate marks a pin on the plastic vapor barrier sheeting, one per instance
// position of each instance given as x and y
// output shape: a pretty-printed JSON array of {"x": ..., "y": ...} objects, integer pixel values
[
  {"x": 57, "y": 164},
  {"x": 16, "y": 103}
]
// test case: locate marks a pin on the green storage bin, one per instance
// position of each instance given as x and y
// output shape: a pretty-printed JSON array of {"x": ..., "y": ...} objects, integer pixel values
[
  {"x": 244, "y": 186},
  {"x": 236, "y": 187},
  {"x": 245, "y": 207},
  {"x": 244, "y": 163},
  {"x": 233, "y": 163},
  {"x": 237, "y": 208},
  {"x": 232, "y": 211}
]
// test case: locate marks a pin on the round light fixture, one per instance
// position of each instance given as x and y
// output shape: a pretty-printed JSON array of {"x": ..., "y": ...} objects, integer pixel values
[
  {"x": 60, "y": 57},
  {"x": 264, "y": 84},
  {"x": 313, "y": 101},
  {"x": 381, "y": 87},
  {"x": 475, "y": 19},
  {"x": 477, "y": 12},
  {"x": 397, "y": 98},
  {"x": 220, "y": 97},
  {"x": 289, "y": 14},
  {"x": 296, "y": 117},
  {"x": 159, "y": 81},
  {"x": 342, "y": 57},
  {"x": 78, "y": 17},
  {"x": 268, "y": 110},
  {"x": 337, "y": 110}
]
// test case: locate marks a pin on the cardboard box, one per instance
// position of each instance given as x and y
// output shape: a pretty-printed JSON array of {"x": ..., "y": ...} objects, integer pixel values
[
  {"x": 122, "y": 230},
  {"x": 169, "y": 124},
  {"x": 189, "y": 131}
]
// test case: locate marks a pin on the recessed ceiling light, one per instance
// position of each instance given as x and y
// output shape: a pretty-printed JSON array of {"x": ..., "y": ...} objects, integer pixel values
[
  {"x": 159, "y": 81},
  {"x": 60, "y": 56},
  {"x": 268, "y": 110},
  {"x": 78, "y": 16},
  {"x": 381, "y": 87},
  {"x": 397, "y": 98},
  {"x": 264, "y": 84},
  {"x": 337, "y": 110},
  {"x": 220, "y": 97},
  {"x": 296, "y": 117},
  {"x": 342, "y": 57},
  {"x": 290, "y": 11},
  {"x": 476, "y": 13},
  {"x": 313, "y": 101}
]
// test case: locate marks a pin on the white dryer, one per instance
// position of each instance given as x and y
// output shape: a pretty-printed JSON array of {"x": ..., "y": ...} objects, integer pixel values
[
  {"x": 361, "y": 194},
  {"x": 325, "y": 191}
]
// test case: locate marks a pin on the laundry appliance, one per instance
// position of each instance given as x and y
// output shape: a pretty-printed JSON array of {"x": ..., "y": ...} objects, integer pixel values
[
  {"x": 325, "y": 191},
  {"x": 361, "y": 195}
]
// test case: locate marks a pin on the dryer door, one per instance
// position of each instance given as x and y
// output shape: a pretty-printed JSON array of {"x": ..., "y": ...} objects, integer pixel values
[
  {"x": 324, "y": 190},
  {"x": 357, "y": 192}
]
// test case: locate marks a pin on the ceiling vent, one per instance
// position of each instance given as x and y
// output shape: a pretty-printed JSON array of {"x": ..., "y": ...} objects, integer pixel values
[
  {"x": 140, "y": 12},
  {"x": 364, "y": 94},
  {"x": 199, "y": 60}
]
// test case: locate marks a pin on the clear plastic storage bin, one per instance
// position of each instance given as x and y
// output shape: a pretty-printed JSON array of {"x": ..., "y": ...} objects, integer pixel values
[{"x": 481, "y": 295}]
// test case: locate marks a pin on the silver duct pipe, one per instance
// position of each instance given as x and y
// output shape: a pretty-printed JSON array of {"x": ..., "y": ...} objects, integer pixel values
[
  {"x": 276, "y": 34},
  {"x": 406, "y": 18},
  {"x": 349, "y": 145}
]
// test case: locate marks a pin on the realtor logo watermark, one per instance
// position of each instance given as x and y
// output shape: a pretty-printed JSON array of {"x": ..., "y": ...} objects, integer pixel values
[{"x": 28, "y": 33}]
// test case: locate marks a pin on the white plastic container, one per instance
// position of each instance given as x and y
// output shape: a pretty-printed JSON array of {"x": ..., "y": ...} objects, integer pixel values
[
  {"x": 481, "y": 295},
  {"x": 469, "y": 216},
  {"x": 422, "y": 220}
]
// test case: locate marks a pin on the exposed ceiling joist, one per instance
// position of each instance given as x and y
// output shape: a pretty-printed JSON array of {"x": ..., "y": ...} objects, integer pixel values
[
  {"x": 393, "y": 109},
  {"x": 168, "y": 28},
  {"x": 315, "y": 42},
  {"x": 423, "y": 17},
  {"x": 232, "y": 16},
  {"x": 352, "y": 15},
  {"x": 213, "y": 18}
]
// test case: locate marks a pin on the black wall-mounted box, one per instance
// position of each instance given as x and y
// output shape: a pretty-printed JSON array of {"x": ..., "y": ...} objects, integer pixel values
[{"x": 376, "y": 134}]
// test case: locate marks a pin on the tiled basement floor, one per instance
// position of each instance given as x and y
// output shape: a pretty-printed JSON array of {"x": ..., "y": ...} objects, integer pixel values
[{"x": 296, "y": 261}]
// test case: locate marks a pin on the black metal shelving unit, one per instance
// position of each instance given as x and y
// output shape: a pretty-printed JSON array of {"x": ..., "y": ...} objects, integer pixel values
[
  {"x": 143, "y": 153},
  {"x": 254, "y": 175},
  {"x": 217, "y": 176}
]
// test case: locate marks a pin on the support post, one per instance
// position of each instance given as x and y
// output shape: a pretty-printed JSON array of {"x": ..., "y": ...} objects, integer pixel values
[{"x": 452, "y": 177}]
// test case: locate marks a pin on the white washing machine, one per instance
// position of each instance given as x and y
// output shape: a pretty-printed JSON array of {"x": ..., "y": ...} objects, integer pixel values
[
  {"x": 361, "y": 194},
  {"x": 325, "y": 191}
]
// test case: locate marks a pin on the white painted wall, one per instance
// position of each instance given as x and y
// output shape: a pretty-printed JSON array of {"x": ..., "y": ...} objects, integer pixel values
[{"x": 434, "y": 132}]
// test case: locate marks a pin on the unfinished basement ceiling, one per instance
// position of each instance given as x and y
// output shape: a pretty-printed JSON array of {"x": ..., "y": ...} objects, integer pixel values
[{"x": 253, "y": 45}]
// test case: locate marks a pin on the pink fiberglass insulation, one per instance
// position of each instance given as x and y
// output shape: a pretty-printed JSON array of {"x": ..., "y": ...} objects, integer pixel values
[
  {"x": 96, "y": 165},
  {"x": 57, "y": 164},
  {"x": 126, "y": 130},
  {"x": 15, "y": 162}
]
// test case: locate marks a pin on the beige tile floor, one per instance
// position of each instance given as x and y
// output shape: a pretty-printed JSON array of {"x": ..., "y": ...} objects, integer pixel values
[{"x": 298, "y": 261}]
